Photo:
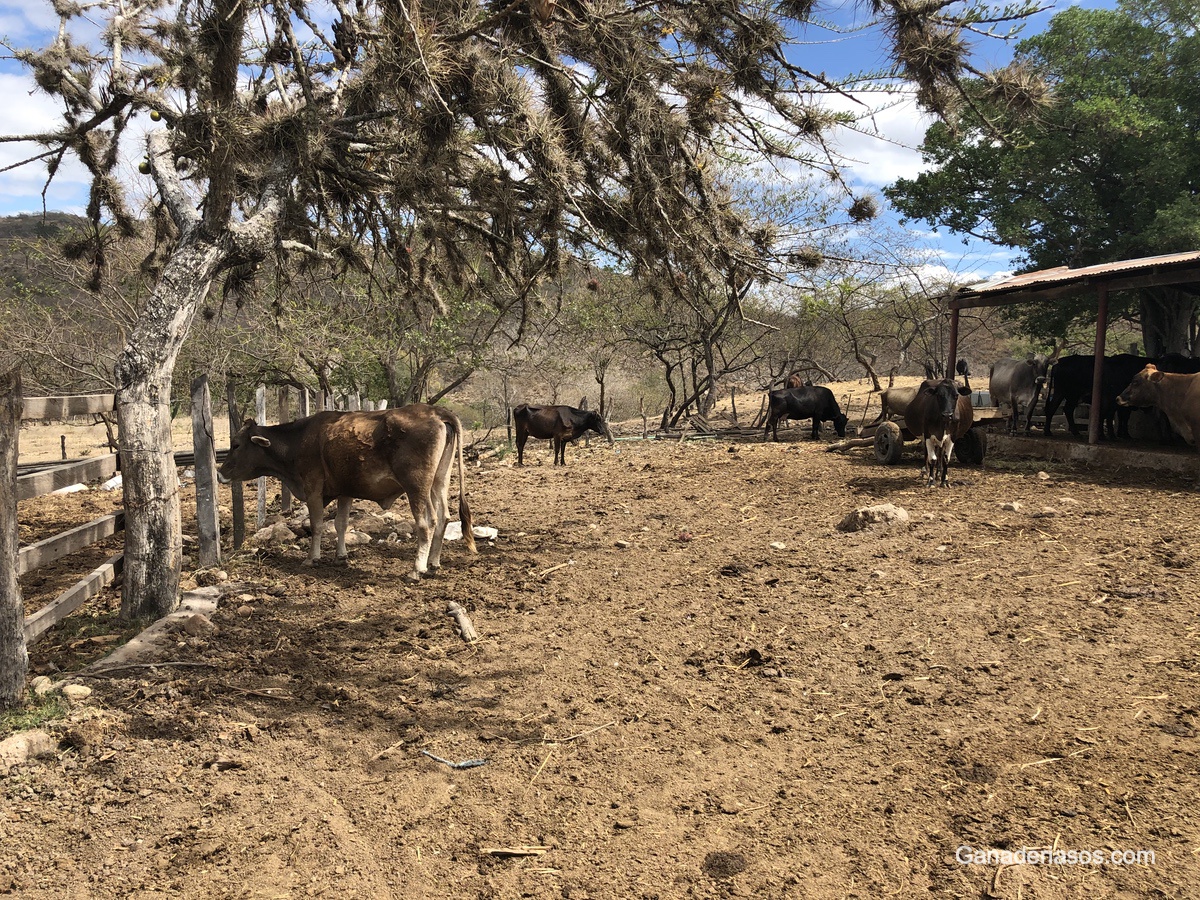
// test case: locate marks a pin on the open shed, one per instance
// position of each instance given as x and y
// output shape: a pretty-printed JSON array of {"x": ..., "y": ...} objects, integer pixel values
[{"x": 1053, "y": 284}]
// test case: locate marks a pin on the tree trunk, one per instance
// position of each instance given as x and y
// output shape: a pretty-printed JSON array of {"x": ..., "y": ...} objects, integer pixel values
[
  {"x": 14, "y": 658},
  {"x": 153, "y": 542},
  {"x": 1166, "y": 321}
]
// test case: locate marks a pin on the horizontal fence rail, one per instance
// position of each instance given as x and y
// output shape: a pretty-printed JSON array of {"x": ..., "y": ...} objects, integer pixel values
[
  {"x": 71, "y": 599},
  {"x": 65, "y": 407},
  {"x": 47, "y": 551},
  {"x": 47, "y": 480}
]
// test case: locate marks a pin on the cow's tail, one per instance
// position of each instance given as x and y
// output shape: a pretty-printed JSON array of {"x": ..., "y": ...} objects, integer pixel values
[{"x": 464, "y": 511}]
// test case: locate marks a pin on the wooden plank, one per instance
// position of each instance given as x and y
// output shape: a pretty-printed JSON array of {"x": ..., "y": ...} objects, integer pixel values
[
  {"x": 62, "y": 476},
  {"x": 207, "y": 521},
  {"x": 237, "y": 498},
  {"x": 71, "y": 599},
  {"x": 285, "y": 415},
  {"x": 260, "y": 416},
  {"x": 60, "y": 545},
  {"x": 65, "y": 407},
  {"x": 14, "y": 661}
]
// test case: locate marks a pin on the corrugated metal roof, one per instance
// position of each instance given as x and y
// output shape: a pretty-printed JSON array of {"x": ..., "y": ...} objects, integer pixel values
[{"x": 1063, "y": 275}]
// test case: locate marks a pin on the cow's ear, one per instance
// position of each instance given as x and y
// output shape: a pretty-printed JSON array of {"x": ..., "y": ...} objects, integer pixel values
[
  {"x": 1156, "y": 376},
  {"x": 247, "y": 423},
  {"x": 964, "y": 391},
  {"x": 261, "y": 441}
]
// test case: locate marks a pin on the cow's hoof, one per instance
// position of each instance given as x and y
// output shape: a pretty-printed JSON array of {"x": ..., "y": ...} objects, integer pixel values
[{"x": 413, "y": 577}]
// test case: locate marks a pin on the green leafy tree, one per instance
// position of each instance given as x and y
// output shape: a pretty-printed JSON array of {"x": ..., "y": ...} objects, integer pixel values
[{"x": 1107, "y": 169}]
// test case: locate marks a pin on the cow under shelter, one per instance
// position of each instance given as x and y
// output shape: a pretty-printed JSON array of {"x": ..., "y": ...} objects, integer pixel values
[{"x": 1047, "y": 285}]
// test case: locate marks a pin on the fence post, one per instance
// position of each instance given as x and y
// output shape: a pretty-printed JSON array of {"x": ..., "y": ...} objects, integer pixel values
[
  {"x": 208, "y": 523},
  {"x": 14, "y": 657},
  {"x": 260, "y": 416},
  {"x": 354, "y": 402},
  {"x": 303, "y": 404},
  {"x": 285, "y": 415},
  {"x": 238, "y": 502}
]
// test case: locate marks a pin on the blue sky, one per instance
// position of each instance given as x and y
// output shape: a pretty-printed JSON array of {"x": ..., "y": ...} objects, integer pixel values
[{"x": 838, "y": 52}]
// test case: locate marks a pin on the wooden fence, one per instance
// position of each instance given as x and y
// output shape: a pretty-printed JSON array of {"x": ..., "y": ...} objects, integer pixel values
[
  {"x": 45, "y": 478},
  {"x": 42, "y": 478}
]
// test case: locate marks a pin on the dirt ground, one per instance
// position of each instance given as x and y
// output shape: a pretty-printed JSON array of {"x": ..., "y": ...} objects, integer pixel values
[{"x": 689, "y": 683}]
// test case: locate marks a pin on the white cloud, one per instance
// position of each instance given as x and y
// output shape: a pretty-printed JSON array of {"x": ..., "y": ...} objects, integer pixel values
[
  {"x": 26, "y": 111},
  {"x": 882, "y": 147}
]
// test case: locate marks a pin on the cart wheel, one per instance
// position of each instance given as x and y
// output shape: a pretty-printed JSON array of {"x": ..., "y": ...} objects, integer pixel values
[
  {"x": 971, "y": 447},
  {"x": 889, "y": 444}
]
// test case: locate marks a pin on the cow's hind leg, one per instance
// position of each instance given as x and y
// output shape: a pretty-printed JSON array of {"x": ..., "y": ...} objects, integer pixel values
[
  {"x": 316, "y": 521},
  {"x": 340, "y": 523},
  {"x": 439, "y": 500},
  {"x": 422, "y": 513}
]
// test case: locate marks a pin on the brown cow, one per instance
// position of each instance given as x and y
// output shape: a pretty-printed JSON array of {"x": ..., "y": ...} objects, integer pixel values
[
  {"x": 940, "y": 413},
  {"x": 365, "y": 455},
  {"x": 1178, "y": 396},
  {"x": 558, "y": 424}
]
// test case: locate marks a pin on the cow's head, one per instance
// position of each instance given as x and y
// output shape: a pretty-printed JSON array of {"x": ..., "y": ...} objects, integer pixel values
[
  {"x": 839, "y": 423},
  {"x": 596, "y": 423},
  {"x": 1040, "y": 365},
  {"x": 249, "y": 454},
  {"x": 947, "y": 393},
  {"x": 1143, "y": 390}
]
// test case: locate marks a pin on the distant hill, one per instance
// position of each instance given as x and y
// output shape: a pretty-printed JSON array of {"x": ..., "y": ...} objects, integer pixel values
[
  {"x": 24, "y": 271},
  {"x": 30, "y": 226}
]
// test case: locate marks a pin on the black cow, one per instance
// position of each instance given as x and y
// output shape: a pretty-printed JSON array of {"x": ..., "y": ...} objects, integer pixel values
[
  {"x": 1178, "y": 364},
  {"x": 378, "y": 456},
  {"x": 1071, "y": 381},
  {"x": 814, "y": 402},
  {"x": 558, "y": 424},
  {"x": 939, "y": 412}
]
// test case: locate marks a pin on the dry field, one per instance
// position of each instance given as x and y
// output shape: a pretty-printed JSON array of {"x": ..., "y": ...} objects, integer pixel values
[{"x": 689, "y": 683}]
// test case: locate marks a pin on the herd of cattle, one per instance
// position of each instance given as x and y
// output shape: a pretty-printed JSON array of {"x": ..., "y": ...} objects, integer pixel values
[
  {"x": 385, "y": 454},
  {"x": 1017, "y": 383}
]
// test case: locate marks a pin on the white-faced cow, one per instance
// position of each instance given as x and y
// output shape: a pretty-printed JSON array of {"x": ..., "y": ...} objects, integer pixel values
[
  {"x": 558, "y": 424},
  {"x": 1017, "y": 383},
  {"x": 814, "y": 402},
  {"x": 1178, "y": 396},
  {"x": 377, "y": 456},
  {"x": 940, "y": 413}
]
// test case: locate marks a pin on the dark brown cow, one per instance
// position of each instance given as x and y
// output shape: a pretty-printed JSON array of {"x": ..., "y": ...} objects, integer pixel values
[
  {"x": 940, "y": 413},
  {"x": 377, "y": 456},
  {"x": 558, "y": 424},
  {"x": 1178, "y": 396}
]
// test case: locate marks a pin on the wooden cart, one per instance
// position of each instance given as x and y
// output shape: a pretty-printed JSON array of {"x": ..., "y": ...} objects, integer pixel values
[{"x": 889, "y": 437}]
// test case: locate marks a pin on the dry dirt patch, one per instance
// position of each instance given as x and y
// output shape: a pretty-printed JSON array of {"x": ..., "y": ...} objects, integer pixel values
[{"x": 679, "y": 709}]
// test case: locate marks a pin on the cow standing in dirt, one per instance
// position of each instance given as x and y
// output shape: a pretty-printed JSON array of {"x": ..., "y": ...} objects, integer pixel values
[
  {"x": 377, "y": 456},
  {"x": 1178, "y": 396},
  {"x": 1017, "y": 383},
  {"x": 814, "y": 402},
  {"x": 558, "y": 424},
  {"x": 940, "y": 412}
]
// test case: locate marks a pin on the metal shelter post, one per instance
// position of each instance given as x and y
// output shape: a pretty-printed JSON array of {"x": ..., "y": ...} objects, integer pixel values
[
  {"x": 1095, "y": 422},
  {"x": 952, "y": 359}
]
